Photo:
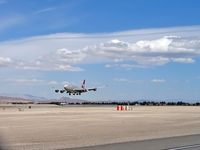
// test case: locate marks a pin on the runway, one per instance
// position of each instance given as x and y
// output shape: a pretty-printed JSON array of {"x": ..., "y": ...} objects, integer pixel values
[
  {"x": 49, "y": 127},
  {"x": 189, "y": 142}
]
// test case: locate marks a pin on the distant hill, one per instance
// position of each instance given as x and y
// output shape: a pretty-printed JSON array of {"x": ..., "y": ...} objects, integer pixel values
[
  {"x": 26, "y": 98},
  {"x": 6, "y": 99},
  {"x": 66, "y": 100}
]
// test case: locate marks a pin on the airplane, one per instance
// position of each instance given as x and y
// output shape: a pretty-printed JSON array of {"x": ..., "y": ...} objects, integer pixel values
[{"x": 71, "y": 89}]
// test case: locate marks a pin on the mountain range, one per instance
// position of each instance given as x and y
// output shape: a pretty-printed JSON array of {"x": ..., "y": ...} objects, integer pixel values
[{"x": 27, "y": 98}]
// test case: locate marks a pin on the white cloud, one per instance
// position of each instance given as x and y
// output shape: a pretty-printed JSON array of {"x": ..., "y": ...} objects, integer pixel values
[
  {"x": 46, "y": 66},
  {"x": 5, "y": 61},
  {"x": 183, "y": 60},
  {"x": 70, "y": 56},
  {"x": 138, "y": 81},
  {"x": 152, "y": 52},
  {"x": 53, "y": 82},
  {"x": 121, "y": 80},
  {"x": 154, "y": 45},
  {"x": 45, "y": 10},
  {"x": 67, "y": 68},
  {"x": 128, "y": 49},
  {"x": 158, "y": 80},
  {"x": 47, "y": 63},
  {"x": 30, "y": 81},
  {"x": 127, "y": 80},
  {"x": 125, "y": 66},
  {"x": 24, "y": 81}
]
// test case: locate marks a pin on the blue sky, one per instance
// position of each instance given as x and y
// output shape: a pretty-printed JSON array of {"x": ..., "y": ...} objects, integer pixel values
[{"x": 131, "y": 50}]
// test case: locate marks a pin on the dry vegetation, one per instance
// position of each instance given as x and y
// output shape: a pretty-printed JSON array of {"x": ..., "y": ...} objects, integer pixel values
[{"x": 52, "y": 127}]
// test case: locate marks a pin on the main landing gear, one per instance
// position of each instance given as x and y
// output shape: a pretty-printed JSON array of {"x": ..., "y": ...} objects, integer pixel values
[{"x": 74, "y": 94}]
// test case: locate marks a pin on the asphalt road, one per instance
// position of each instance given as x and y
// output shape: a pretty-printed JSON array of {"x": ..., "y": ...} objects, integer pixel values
[{"x": 189, "y": 142}]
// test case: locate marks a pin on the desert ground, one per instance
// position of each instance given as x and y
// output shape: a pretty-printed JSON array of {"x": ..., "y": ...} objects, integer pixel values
[{"x": 56, "y": 127}]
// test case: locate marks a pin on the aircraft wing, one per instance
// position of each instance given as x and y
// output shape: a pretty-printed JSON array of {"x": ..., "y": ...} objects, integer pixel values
[
  {"x": 85, "y": 90},
  {"x": 79, "y": 90},
  {"x": 92, "y": 89}
]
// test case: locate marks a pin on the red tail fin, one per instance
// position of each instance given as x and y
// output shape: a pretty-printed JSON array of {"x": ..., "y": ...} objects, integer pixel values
[{"x": 83, "y": 84}]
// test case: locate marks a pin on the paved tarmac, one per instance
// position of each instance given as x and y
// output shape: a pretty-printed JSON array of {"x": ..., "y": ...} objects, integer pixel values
[{"x": 189, "y": 142}]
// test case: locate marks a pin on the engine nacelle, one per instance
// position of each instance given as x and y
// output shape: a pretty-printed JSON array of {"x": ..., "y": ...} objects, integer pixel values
[
  {"x": 62, "y": 91},
  {"x": 56, "y": 91}
]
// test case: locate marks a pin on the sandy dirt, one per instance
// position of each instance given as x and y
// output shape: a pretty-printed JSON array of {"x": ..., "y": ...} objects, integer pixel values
[{"x": 54, "y": 127}]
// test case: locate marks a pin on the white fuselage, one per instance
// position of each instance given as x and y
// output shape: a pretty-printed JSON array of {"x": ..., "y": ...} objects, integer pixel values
[{"x": 72, "y": 88}]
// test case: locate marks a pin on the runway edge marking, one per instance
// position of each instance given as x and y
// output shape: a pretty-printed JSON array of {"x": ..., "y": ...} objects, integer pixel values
[{"x": 184, "y": 147}]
